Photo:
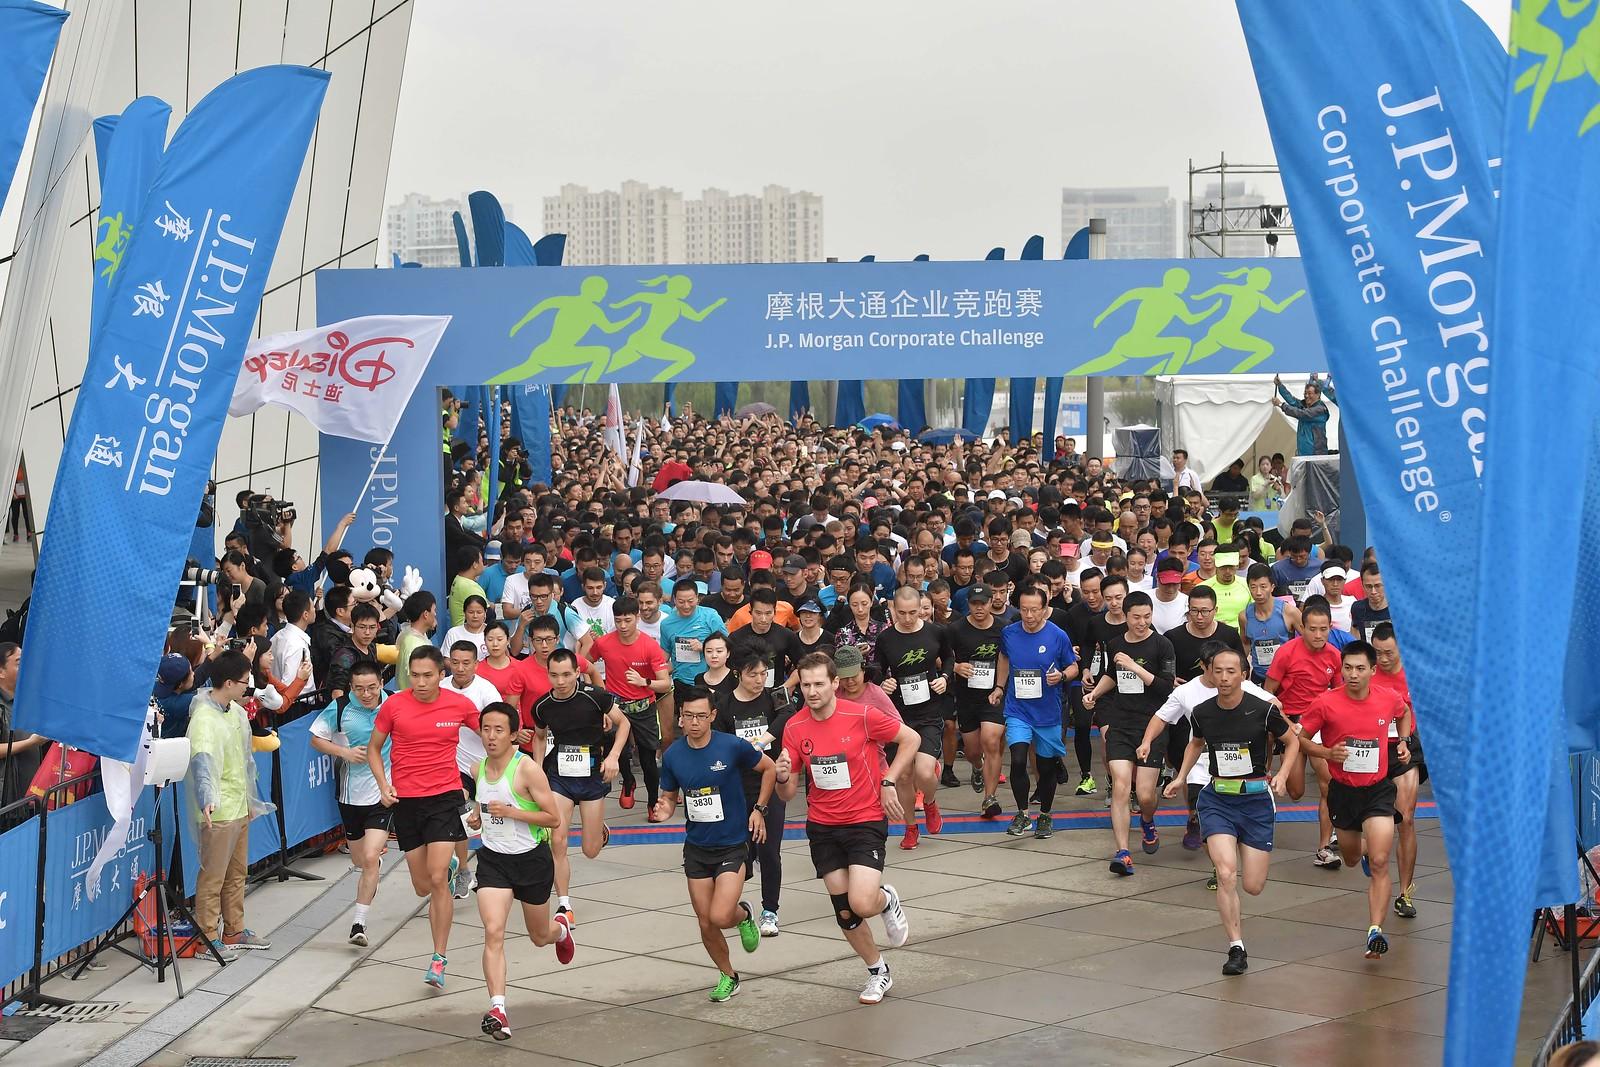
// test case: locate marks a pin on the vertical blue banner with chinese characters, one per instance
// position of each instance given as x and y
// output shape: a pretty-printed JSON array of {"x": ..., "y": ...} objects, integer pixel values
[
  {"x": 75, "y": 833},
  {"x": 156, "y": 390},
  {"x": 1384, "y": 140},
  {"x": 19, "y": 903},
  {"x": 310, "y": 806},
  {"x": 131, "y": 155},
  {"x": 28, "y": 33}
]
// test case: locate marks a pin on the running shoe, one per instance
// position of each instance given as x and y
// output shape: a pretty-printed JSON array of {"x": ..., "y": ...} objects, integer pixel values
[
  {"x": 605, "y": 835},
  {"x": 933, "y": 817},
  {"x": 1211, "y": 883},
  {"x": 895, "y": 923},
  {"x": 1087, "y": 786},
  {"x": 1191, "y": 835},
  {"x": 1152, "y": 837},
  {"x": 1327, "y": 859},
  {"x": 1002, "y": 777},
  {"x": 626, "y": 797},
  {"x": 977, "y": 779},
  {"x": 1122, "y": 863},
  {"x": 1108, "y": 800},
  {"x": 1377, "y": 944},
  {"x": 1366, "y": 868},
  {"x": 1403, "y": 906},
  {"x": 358, "y": 934},
  {"x": 1042, "y": 827},
  {"x": 727, "y": 988},
  {"x": 566, "y": 947},
  {"x": 434, "y": 974},
  {"x": 455, "y": 865},
  {"x": 919, "y": 800},
  {"x": 749, "y": 933},
  {"x": 495, "y": 1024},
  {"x": 877, "y": 985},
  {"x": 948, "y": 778},
  {"x": 1019, "y": 824},
  {"x": 991, "y": 807},
  {"x": 910, "y": 839},
  {"x": 769, "y": 923},
  {"x": 1238, "y": 961},
  {"x": 246, "y": 939},
  {"x": 571, "y": 917},
  {"x": 653, "y": 817}
]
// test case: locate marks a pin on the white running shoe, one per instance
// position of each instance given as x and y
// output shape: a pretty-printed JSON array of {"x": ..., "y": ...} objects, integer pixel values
[
  {"x": 768, "y": 924},
  {"x": 877, "y": 985},
  {"x": 894, "y": 924}
]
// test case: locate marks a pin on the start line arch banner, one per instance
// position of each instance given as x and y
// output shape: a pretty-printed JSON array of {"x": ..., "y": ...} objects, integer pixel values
[{"x": 767, "y": 322}]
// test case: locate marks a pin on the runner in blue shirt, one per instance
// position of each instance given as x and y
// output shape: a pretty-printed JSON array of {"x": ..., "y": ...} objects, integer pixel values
[
  {"x": 1036, "y": 660},
  {"x": 683, "y": 634},
  {"x": 705, "y": 768}
]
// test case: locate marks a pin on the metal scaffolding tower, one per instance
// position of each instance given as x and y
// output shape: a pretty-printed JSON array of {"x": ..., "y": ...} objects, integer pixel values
[{"x": 1211, "y": 224}]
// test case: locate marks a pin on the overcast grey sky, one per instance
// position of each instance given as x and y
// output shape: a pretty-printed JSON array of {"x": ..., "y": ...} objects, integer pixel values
[{"x": 938, "y": 126}]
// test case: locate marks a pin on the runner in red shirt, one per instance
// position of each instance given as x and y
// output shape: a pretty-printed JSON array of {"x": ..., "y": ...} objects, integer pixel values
[
  {"x": 1409, "y": 774},
  {"x": 423, "y": 726},
  {"x": 1353, "y": 724},
  {"x": 838, "y": 743},
  {"x": 1303, "y": 669},
  {"x": 637, "y": 674},
  {"x": 504, "y": 673}
]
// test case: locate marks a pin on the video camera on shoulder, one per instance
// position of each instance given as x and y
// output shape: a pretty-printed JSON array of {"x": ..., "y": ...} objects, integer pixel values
[{"x": 266, "y": 511}]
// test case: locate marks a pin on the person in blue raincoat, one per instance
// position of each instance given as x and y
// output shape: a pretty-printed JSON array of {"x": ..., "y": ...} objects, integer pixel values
[{"x": 1311, "y": 412}]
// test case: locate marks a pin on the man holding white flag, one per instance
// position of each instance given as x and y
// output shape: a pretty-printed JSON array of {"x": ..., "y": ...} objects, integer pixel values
[{"x": 350, "y": 379}]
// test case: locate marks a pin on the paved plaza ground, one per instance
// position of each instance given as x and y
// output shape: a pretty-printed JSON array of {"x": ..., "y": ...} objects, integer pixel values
[{"x": 1021, "y": 952}]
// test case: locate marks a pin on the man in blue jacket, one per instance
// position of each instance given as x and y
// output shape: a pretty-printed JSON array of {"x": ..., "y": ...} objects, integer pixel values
[{"x": 1311, "y": 412}]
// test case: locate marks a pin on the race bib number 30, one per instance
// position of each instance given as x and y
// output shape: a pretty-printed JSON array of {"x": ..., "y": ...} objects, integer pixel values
[{"x": 914, "y": 689}]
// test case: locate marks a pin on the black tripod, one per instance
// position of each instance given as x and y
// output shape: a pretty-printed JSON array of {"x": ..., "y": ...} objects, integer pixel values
[{"x": 167, "y": 948}]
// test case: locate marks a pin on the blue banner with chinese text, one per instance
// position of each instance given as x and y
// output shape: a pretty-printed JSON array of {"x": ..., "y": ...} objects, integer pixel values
[
  {"x": 156, "y": 390},
  {"x": 28, "y": 33},
  {"x": 19, "y": 903},
  {"x": 73, "y": 838}
]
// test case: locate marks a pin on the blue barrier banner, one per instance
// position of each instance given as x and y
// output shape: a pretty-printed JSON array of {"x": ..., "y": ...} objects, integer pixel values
[
  {"x": 19, "y": 903},
  {"x": 28, "y": 33},
  {"x": 264, "y": 838},
  {"x": 72, "y": 839},
  {"x": 160, "y": 375},
  {"x": 132, "y": 155},
  {"x": 263, "y": 830},
  {"x": 1384, "y": 147},
  {"x": 310, "y": 804}
]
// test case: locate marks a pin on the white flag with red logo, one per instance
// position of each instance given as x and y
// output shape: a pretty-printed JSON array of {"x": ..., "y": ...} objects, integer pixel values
[
  {"x": 613, "y": 434},
  {"x": 350, "y": 379}
]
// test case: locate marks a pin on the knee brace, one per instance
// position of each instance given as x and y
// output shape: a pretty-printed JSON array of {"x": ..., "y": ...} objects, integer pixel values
[{"x": 847, "y": 919}]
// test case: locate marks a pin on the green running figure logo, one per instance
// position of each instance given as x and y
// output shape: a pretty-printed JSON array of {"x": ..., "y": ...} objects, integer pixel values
[
  {"x": 576, "y": 315},
  {"x": 1156, "y": 308},
  {"x": 1557, "y": 62},
  {"x": 111, "y": 244}
]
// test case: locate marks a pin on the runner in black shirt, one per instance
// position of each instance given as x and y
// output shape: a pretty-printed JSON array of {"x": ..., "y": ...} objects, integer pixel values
[
  {"x": 1080, "y": 627},
  {"x": 752, "y": 711},
  {"x": 1199, "y": 628},
  {"x": 1139, "y": 671},
  {"x": 715, "y": 651},
  {"x": 777, "y": 644},
  {"x": 1236, "y": 810},
  {"x": 975, "y": 654},
  {"x": 573, "y": 720},
  {"x": 915, "y": 659},
  {"x": 1366, "y": 614}
]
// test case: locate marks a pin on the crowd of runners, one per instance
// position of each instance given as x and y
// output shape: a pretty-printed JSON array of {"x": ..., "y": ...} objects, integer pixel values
[{"x": 877, "y": 614}]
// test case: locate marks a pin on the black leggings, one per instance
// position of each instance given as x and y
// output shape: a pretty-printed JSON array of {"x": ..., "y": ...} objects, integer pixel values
[
  {"x": 1177, "y": 741},
  {"x": 1019, "y": 778},
  {"x": 647, "y": 764},
  {"x": 769, "y": 854},
  {"x": 1082, "y": 724}
]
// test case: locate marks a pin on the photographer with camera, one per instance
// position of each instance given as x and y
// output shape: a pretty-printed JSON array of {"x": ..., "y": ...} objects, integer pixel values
[{"x": 268, "y": 526}]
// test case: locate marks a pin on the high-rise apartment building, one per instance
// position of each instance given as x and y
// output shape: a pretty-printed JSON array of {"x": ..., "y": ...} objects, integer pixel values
[
  {"x": 654, "y": 224},
  {"x": 422, "y": 230},
  {"x": 1141, "y": 221}
]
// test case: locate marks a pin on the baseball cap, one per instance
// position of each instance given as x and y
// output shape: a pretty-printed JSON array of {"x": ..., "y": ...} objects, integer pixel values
[
  {"x": 1230, "y": 559},
  {"x": 979, "y": 591},
  {"x": 847, "y": 661},
  {"x": 170, "y": 673},
  {"x": 1334, "y": 574},
  {"x": 811, "y": 606},
  {"x": 997, "y": 494},
  {"x": 795, "y": 563},
  {"x": 761, "y": 560}
]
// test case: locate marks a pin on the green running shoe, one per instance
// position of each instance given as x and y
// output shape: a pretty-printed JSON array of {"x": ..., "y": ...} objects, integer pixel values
[
  {"x": 749, "y": 932},
  {"x": 727, "y": 987}
]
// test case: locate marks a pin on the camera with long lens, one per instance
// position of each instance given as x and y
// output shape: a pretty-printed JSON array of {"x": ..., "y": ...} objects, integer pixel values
[{"x": 194, "y": 574}]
